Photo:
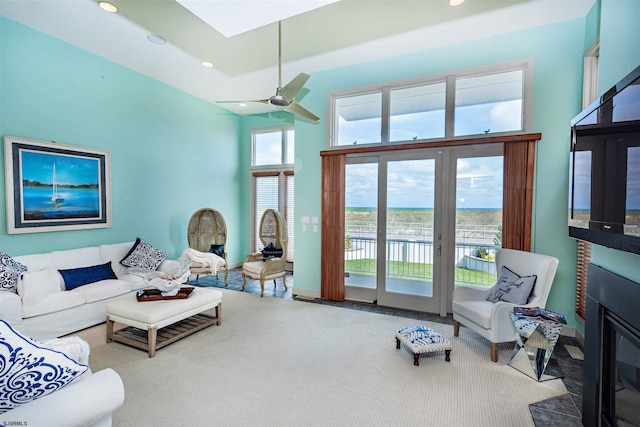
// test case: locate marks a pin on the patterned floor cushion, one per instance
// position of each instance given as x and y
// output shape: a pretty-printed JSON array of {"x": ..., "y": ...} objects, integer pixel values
[{"x": 420, "y": 339}]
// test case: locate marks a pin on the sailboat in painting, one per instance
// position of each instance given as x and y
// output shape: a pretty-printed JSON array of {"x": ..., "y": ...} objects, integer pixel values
[{"x": 55, "y": 196}]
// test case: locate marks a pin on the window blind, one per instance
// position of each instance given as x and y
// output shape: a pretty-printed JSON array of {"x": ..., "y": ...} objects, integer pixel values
[
  {"x": 288, "y": 212},
  {"x": 584, "y": 257},
  {"x": 265, "y": 196}
]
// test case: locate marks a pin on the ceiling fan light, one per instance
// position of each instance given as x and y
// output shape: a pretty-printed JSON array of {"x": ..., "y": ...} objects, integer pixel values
[
  {"x": 109, "y": 7},
  {"x": 455, "y": 2}
]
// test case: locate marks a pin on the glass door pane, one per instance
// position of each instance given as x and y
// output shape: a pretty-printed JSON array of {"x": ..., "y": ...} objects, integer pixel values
[
  {"x": 478, "y": 220},
  {"x": 361, "y": 229},
  {"x": 409, "y": 246}
]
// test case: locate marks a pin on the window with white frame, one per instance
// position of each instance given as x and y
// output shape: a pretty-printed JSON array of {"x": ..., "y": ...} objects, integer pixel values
[
  {"x": 417, "y": 112},
  {"x": 478, "y": 102},
  {"x": 272, "y": 183},
  {"x": 490, "y": 103}
]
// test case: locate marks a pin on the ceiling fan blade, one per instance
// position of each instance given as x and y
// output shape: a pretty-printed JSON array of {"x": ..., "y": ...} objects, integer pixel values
[
  {"x": 284, "y": 97},
  {"x": 298, "y": 109},
  {"x": 291, "y": 89}
]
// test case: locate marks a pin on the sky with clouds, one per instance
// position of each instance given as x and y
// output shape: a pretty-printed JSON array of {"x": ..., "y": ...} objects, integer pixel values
[
  {"x": 411, "y": 184},
  {"x": 70, "y": 170}
]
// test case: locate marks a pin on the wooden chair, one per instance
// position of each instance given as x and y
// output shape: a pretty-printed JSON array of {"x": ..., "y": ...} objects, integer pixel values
[
  {"x": 273, "y": 229},
  {"x": 207, "y": 230}
]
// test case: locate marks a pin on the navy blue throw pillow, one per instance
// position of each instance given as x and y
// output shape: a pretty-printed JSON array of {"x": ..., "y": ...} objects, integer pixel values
[
  {"x": 271, "y": 252},
  {"x": 75, "y": 277},
  {"x": 217, "y": 249}
]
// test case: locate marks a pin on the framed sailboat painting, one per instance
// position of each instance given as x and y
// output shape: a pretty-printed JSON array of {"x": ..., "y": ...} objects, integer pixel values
[{"x": 55, "y": 187}]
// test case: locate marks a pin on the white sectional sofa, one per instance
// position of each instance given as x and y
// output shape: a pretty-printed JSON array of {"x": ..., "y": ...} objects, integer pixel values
[
  {"x": 51, "y": 312},
  {"x": 66, "y": 394},
  {"x": 88, "y": 402}
]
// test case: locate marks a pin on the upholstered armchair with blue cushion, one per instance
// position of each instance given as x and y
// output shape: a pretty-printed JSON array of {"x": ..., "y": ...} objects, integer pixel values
[{"x": 487, "y": 311}]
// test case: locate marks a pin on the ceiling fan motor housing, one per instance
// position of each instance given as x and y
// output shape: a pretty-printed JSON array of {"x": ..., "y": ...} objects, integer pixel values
[{"x": 279, "y": 100}]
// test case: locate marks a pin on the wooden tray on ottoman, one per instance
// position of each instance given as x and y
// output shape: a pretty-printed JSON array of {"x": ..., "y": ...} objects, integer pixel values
[{"x": 156, "y": 294}]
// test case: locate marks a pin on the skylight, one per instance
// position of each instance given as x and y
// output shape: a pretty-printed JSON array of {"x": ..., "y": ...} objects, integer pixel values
[{"x": 232, "y": 17}]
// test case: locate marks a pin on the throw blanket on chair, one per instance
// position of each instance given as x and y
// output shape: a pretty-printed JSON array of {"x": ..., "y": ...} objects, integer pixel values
[{"x": 206, "y": 259}]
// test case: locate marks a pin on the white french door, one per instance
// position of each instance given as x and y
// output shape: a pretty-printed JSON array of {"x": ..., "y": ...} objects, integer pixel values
[
  {"x": 401, "y": 248},
  {"x": 410, "y": 242}
]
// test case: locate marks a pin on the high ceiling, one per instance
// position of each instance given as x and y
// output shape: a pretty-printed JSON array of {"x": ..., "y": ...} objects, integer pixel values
[{"x": 245, "y": 65}]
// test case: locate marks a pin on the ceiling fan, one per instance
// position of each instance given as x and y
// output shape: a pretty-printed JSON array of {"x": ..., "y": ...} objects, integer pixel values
[{"x": 285, "y": 95}]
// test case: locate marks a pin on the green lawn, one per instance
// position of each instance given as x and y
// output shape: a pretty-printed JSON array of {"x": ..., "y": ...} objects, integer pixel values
[{"x": 420, "y": 271}]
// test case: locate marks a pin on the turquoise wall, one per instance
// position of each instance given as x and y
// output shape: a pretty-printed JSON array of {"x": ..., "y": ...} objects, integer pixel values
[
  {"x": 171, "y": 153},
  {"x": 592, "y": 25},
  {"x": 619, "y": 40},
  {"x": 556, "y": 51},
  {"x": 619, "y": 55}
]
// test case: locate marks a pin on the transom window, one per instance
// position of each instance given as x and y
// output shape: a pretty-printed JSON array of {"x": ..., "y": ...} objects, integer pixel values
[
  {"x": 489, "y": 104},
  {"x": 490, "y": 101},
  {"x": 417, "y": 112},
  {"x": 273, "y": 147}
]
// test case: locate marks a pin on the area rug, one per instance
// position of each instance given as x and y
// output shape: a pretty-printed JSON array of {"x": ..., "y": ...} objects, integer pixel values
[{"x": 275, "y": 362}]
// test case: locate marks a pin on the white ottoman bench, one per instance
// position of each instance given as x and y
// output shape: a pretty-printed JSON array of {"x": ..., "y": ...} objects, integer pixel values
[
  {"x": 420, "y": 339},
  {"x": 155, "y": 324}
]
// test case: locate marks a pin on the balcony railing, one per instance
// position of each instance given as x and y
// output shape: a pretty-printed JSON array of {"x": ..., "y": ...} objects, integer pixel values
[{"x": 413, "y": 259}]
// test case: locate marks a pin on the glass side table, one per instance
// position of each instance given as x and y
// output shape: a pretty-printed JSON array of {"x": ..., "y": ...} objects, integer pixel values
[{"x": 537, "y": 337}]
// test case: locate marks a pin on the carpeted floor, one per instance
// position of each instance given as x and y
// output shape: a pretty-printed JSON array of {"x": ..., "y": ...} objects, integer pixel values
[
  {"x": 560, "y": 411},
  {"x": 283, "y": 362}
]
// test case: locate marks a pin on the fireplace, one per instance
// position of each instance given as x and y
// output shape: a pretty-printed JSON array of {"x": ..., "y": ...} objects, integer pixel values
[{"x": 611, "y": 393}]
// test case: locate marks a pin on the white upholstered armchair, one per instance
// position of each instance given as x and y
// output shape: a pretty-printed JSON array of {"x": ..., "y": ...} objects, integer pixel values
[{"x": 492, "y": 320}]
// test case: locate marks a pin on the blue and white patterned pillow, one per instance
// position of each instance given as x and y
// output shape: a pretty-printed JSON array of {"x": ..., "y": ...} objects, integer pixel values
[
  {"x": 144, "y": 256},
  {"x": 10, "y": 271},
  {"x": 421, "y": 335},
  {"x": 29, "y": 370}
]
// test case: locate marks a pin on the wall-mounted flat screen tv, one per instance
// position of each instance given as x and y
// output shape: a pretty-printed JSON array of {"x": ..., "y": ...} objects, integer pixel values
[{"x": 604, "y": 185}]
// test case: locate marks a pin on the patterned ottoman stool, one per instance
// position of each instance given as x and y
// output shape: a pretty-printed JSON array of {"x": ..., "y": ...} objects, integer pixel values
[{"x": 420, "y": 339}]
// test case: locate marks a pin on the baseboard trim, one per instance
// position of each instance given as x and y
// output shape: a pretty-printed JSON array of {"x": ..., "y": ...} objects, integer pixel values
[{"x": 305, "y": 293}]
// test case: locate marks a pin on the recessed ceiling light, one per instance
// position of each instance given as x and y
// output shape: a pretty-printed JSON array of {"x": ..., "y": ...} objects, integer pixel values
[
  {"x": 455, "y": 2},
  {"x": 105, "y": 5},
  {"x": 242, "y": 104},
  {"x": 207, "y": 64},
  {"x": 154, "y": 38}
]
